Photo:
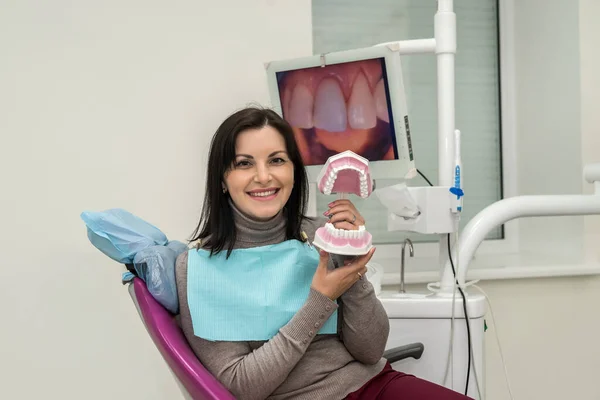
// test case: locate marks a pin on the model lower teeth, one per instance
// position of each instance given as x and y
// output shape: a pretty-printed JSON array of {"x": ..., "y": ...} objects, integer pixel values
[{"x": 343, "y": 233}]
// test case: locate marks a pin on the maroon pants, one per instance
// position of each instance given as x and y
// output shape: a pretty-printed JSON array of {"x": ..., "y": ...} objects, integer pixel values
[{"x": 394, "y": 385}]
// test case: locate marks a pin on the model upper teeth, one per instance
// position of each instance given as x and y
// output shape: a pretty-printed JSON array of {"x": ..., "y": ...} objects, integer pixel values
[
  {"x": 331, "y": 177},
  {"x": 343, "y": 233},
  {"x": 263, "y": 194}
]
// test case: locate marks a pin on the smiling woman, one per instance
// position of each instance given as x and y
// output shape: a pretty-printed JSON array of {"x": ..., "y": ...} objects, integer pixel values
[
  {"x": 262, "y": 177},
  {"x": 252, "y": 154},
  {"x": 265, "y": 312}
]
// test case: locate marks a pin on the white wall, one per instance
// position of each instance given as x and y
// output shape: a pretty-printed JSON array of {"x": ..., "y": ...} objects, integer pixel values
[
  {"x": 110, "y": 104},
  {"x": 590, "y": 117},
  {"x": 146, "y": 84},
  {"x": 548, "y": 108}
]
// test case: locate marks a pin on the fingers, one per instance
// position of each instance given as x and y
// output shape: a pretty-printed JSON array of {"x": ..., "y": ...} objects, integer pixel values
[
  {"x": 345, "y": 225},
  {"x": 344, "y": 210},
  {"x": 340, "y": 202},
  {"x": 343, "y": 216},
  {"x": 360, "y": 274},
  {"x": 360, "y": 262},
  {"x": 323, "y": 257},
  {"x": 323, "y": 260},
  {"x": 367, "y": 257},
  {"x": 340, "y": 208}
]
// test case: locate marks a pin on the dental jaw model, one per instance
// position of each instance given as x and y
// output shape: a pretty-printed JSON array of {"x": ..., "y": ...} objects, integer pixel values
[{"x": 343, "y": 173}]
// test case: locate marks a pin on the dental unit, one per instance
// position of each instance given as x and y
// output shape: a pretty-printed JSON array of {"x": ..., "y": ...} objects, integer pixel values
[
  {"x": 344, "y": 173},
  {"x": 428, "y": 318}
]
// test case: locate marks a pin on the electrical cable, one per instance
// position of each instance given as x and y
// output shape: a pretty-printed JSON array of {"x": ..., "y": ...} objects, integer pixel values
[
  {"x": 451, "y": 344},
  {"x": 424, "y": 177},
  {"x": 471, "y": 351},
  {"x": 466, "y": 317},
  {"x": 497, "y": 340},
  {"x": 456, "y": 285}
]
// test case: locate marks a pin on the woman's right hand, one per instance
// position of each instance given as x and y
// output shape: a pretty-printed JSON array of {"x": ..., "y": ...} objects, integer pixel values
[{"x": 335, "y": 282}]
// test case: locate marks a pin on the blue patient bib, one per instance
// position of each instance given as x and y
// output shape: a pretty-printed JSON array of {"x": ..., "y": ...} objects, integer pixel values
[{"x": 253, "y": 294}]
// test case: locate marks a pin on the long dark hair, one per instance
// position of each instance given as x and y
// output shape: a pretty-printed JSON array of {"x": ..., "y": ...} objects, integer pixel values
[{"x": 216, "y": 228}]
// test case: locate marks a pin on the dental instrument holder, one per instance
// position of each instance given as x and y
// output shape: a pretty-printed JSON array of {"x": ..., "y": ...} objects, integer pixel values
[{"x": 436, "y": 205}]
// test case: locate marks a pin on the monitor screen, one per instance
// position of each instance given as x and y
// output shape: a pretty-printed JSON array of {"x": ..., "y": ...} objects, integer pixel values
[
  {"x": 339, "y": 107},
  {"x": 346, "y": 100}
]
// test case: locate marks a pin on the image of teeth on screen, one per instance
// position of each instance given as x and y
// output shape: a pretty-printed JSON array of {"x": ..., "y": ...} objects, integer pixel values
[
  {"x": 350, "y": 120},
  {"x": 339, "y": 107}
]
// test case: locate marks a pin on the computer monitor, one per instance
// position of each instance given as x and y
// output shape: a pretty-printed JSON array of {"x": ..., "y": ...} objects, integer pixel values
[{"x": 348, "y": 100}]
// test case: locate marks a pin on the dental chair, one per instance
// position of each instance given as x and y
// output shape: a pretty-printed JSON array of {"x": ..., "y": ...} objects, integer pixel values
[{"x": 195, "y": 382}]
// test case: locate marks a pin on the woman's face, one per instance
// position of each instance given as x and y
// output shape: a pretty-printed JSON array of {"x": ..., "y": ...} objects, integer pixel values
[{"x": 262, "y": 176}]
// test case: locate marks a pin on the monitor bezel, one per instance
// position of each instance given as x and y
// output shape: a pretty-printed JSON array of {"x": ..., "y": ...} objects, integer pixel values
[{"x": 402, "y": 168}]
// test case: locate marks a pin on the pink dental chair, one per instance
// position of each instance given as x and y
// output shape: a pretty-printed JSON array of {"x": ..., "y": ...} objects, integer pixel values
[{"x": 194, "y": 380}]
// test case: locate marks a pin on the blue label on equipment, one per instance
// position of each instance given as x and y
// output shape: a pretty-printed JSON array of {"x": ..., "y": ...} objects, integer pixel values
[{"x": 457, "y": 176}]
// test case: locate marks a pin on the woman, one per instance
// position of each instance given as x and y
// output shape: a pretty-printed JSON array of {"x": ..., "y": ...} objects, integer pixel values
[{"x": 322, "y": 335}]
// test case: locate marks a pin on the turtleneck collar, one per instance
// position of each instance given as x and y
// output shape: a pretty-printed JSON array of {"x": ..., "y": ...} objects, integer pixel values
[{"x": 252, "y": 232}]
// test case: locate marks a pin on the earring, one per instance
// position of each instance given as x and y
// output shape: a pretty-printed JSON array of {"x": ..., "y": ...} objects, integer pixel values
[{"x": 224, "y": 190}]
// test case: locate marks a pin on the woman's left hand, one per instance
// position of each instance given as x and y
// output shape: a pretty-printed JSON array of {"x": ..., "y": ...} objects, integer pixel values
[{"x": 344, "y": 215}]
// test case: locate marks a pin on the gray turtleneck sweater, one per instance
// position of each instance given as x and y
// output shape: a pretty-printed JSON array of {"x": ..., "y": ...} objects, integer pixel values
[{"x": 296, "y": 363}]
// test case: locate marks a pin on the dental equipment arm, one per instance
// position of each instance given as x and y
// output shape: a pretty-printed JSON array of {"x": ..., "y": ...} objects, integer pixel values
[
  {"x": 517, "y": 207},
  {"x": 438, "y": 213}
]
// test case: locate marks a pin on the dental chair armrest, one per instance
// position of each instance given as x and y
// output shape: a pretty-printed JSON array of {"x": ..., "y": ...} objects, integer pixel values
[{"x": 414, "y": 350}]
